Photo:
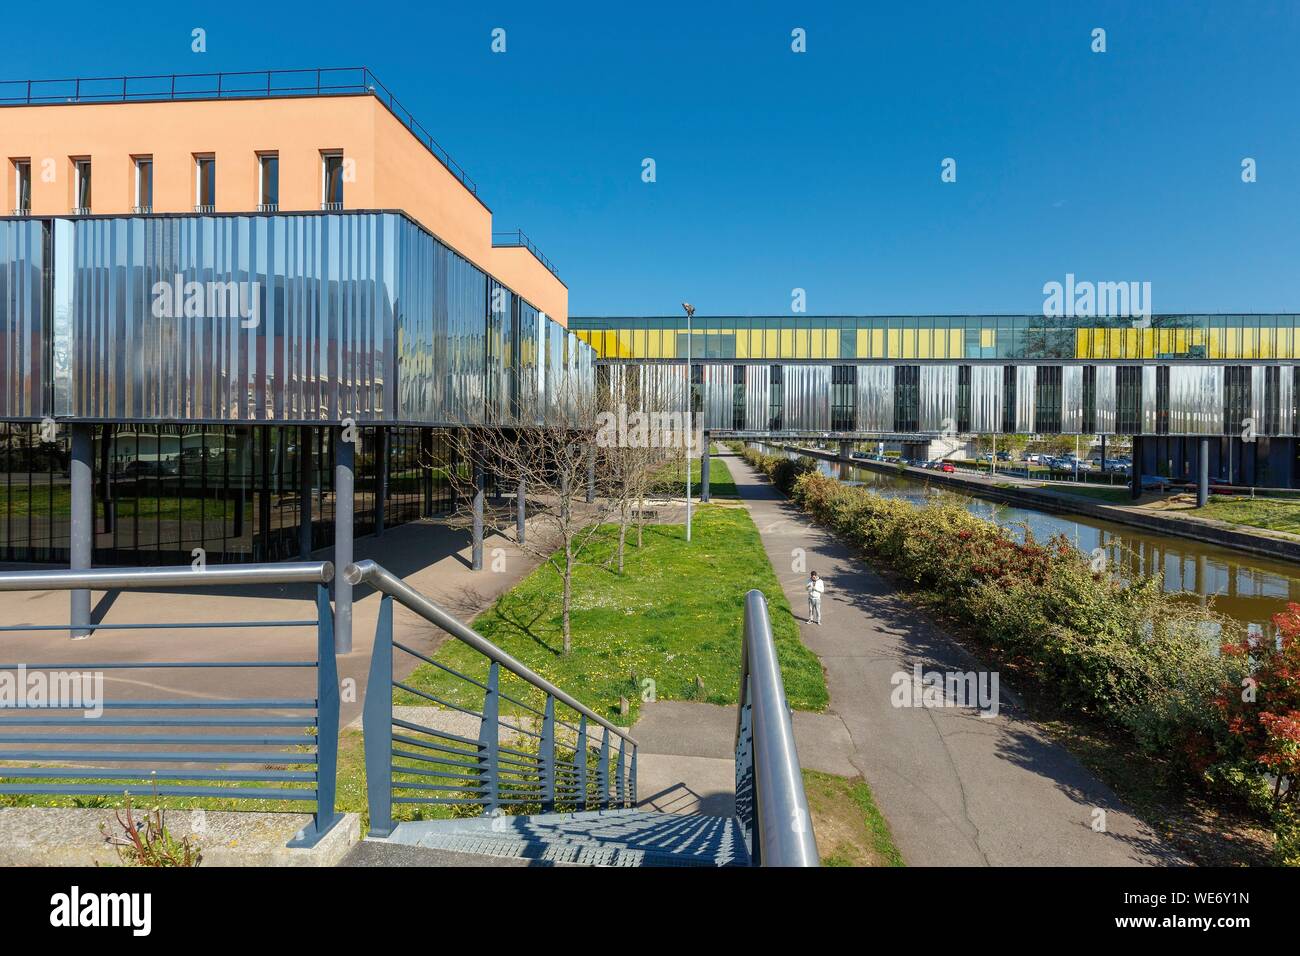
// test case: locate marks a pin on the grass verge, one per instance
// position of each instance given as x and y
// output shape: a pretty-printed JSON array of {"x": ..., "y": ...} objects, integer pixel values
[
  {"x": 673, "y": 618},
  {"x": 1274, "y": 514},
  {"x": 850, "y": 830},
  {"x": 672, "y": 479}
]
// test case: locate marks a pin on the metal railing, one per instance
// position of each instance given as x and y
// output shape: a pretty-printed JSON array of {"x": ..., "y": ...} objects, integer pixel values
[
  {"x": 325, "y": 81},
  {"x": 516, "y": 237},
  {"x": 499, "y": 751},
  {"x": 770, "y": 800},
  {"x": 112, "y": 746}
]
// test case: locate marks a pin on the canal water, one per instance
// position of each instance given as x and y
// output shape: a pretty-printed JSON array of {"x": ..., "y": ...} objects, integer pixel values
[{"x": 1247, "y": 588}]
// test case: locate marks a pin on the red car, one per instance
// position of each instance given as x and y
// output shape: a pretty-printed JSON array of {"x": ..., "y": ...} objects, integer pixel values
[{"x": 948, "y": 467}]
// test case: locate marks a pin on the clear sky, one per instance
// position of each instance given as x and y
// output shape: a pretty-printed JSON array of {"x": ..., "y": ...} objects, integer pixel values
[{"x": 820, "y": 170}]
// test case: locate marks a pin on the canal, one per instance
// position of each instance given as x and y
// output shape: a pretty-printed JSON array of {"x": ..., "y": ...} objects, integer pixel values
[{"x": 1245, "y": 587}]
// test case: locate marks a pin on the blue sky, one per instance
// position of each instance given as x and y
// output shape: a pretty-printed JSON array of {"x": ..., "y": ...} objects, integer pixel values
[{"x": 820, "y": 170}]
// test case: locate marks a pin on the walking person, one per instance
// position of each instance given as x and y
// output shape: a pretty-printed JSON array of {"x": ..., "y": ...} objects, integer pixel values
[{"x": 815, "y": 590}]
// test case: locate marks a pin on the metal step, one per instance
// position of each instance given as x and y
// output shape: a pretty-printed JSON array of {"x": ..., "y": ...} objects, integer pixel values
[{"x": 610, "y": 838}]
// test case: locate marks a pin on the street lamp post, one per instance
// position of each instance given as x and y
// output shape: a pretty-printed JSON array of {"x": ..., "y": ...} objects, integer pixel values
[{"x": 690, "y": 407}]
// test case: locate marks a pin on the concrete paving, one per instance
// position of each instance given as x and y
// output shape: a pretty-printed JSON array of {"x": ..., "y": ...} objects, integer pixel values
[
  {"x": 431, "y": 557},
  {"x": 957, "y": 788}
]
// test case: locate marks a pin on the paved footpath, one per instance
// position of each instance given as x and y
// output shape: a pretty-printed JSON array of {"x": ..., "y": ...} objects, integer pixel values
[{"x": 957, "y": 789}]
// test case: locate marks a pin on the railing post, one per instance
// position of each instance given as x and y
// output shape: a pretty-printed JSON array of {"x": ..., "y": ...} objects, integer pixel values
[
  {"x": 548, "y": 756},
  {"x": 377, "y": 724},
  {"x": 632, "y": 782},
  {"x": 580, "y": 765},
  {"x": 327, "y": 725},
  {"x": 620, "y": 785},
  {"x": 489, "y": 741},
  {"x": 602, "y": 772}
]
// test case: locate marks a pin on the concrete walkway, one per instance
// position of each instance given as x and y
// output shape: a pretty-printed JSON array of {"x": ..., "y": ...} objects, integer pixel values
[{"x": 956, "y": 788}]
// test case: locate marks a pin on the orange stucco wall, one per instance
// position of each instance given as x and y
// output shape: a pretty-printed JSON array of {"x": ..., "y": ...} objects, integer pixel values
[{"x": 391, "y": 169}]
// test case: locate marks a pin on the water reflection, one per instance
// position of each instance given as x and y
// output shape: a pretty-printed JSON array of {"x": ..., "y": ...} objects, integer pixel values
[{"x": 1247, "y": 588}]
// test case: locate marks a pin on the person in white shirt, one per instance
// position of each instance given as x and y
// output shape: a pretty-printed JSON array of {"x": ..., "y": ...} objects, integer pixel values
[{"x": 815, "y": 590}]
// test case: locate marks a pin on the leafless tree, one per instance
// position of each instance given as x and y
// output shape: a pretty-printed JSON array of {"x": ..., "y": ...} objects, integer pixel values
[{"x": 550, "y": 456}]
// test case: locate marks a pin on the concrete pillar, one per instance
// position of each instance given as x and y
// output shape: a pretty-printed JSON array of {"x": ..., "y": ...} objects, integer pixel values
[
  {"x": 591, "y": 473},
  {"x": 381, "y": 478},
  {"x": 344, "y": 484},
  {"x": 846, "y": 450},
  {"x": 305, "y": 440},
  {"x": 704, "y": 468},
  {"x": 1203, "y": 474},
  {"x": 521, "y": 512},
  {"x": 81, "y": 530},
  {"x": 476, "y": 550},
  {"x": 1135, "y": 474}
]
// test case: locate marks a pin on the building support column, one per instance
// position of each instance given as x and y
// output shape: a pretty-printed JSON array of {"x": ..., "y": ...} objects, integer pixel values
[
  {"x": 521, "y": 512},
  {"x": 344, "y": 484},
  {"x": 1203, "y": 474},
  {"x": 1135, "y": 473},
  {"x": 305, "y": 439},
  {"x": 426, "y": 475},
  {"x": 381, "y": 478},
  {"x": 846, "y": 450},
  {"x": 704, "y": 468},
  {"x": 476, "y": 548},
  {"x": 81, "y": 531}
]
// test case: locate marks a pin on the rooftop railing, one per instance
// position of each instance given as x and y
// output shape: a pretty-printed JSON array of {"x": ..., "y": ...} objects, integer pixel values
[
  {"x": 517, "y": 237},
  {"x": 332, "y": 81}
]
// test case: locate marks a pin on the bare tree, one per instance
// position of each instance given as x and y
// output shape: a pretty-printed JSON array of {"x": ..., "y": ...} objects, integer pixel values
[{"x": 550, "y": 456}]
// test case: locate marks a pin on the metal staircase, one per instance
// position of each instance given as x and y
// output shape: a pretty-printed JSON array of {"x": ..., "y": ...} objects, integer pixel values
[{"x": 541, "y": 771}]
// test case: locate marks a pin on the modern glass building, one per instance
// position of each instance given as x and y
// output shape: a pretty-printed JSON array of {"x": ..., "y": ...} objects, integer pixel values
[
  {"x": 246, "y": 313},
  {"x": 1220, "y": 387}
]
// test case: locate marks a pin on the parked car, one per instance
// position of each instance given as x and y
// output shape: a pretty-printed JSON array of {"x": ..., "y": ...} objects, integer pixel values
[
  {"x": 1154, "y": 483},
  {"x": 1004, "y": 456},
  {"x": 948, "y": 467}
]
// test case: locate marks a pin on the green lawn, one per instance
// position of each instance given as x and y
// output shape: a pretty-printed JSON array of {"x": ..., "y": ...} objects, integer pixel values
[
  {"x": 675, "y": 615},
  {"x": 1275, "y": 514},
  {"x": 1118, "y": 494},
  {"x": 672, "y": 479}
]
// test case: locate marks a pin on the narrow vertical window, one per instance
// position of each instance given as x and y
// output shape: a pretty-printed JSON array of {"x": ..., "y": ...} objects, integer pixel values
[
  {"x": 81, "y": 186},
  {"x": 205, "y": 184},
  {"x": 331, "y": 181},
  {"x": 22, "y": 187},
  {"x": 268, "y": 182},
  {"x": 144, "y": 184}
]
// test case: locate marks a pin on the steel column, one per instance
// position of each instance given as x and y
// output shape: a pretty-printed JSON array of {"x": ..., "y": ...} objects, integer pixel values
[
  {"x": 344, "y": 482},
  {"x": 1135, "y": 473},
  {"x": 81, "y": 530},
  {"x": 704, "y": 468},
  {"x": 304, "y": 491},
  {"x": 1203, "y": 473},
  {"x": 580, "y": 765},
  {"x": 476, "y": 543},
  {"x": 381, "y": 480}
]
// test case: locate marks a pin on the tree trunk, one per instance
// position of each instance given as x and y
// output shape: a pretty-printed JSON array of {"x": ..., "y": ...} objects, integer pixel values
[{"x": 568, "y": 596}]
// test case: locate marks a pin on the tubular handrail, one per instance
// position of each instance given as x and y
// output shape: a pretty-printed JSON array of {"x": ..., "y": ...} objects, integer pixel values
[
  {"x": 775, "y": 815},
  {"x": 382, "y": 580},
  {"x": 183, "y": 576}
]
